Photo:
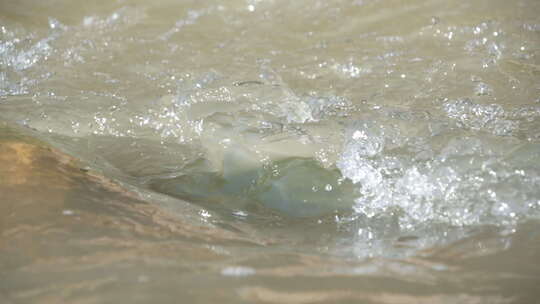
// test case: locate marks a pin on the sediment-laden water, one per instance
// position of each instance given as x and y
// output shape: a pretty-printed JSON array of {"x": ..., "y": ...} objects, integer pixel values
[{"x": 267, "y": 151}]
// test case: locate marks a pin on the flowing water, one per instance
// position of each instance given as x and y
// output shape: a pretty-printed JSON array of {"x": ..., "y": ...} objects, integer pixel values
[{"x": 270, "y": 151}]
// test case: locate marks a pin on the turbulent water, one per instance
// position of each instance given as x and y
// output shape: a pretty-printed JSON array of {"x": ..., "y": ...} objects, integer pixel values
[{"x": 368, "y": 151}]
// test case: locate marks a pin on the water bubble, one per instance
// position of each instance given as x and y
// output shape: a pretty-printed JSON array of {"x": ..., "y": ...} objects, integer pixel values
[
  {"x": 482, "y": 89},
  {"x": 237, "y": 271},
  {"x": 239, "y": 213},
  {"x": 88, "y": 21},
  {"x": 205, "y": 214},
  {"x": 68, "y": 212},
  {"x": 54, "y": 24}
]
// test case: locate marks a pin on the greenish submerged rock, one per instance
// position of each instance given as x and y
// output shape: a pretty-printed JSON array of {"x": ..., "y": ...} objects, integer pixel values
[{"x": 296, "y": 187}]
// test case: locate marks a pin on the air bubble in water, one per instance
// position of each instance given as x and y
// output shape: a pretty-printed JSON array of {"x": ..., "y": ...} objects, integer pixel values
[{"x": 482, "y": 89}]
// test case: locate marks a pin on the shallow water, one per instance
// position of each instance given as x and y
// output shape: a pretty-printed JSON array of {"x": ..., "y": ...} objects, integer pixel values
[{"x": 270, "y": 152}]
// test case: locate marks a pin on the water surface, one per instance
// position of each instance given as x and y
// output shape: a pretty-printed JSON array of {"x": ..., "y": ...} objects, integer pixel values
[{"x": 267, "y": 151}]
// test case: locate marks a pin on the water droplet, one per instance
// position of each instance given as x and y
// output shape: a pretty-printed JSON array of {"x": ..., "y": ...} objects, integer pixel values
[
  {"x": 482, "y": 89},
  {"x": 237, "y": 271},
  {"x": 205, "y": 214},
  {"x": 240, "y": 213},
  {"x": 67, "y": 212}
]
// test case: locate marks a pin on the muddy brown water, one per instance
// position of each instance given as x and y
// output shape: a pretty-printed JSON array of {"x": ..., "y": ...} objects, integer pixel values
[{"x": 268, "y": 151}]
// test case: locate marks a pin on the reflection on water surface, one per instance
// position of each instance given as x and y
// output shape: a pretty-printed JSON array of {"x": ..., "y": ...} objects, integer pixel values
[{"x": 269, "y": 152}]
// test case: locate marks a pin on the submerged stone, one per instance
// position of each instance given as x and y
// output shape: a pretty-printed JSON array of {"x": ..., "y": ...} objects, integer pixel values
[
  {"x": 296, "y": 187},
  {"x": 303, "y": 188}
]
